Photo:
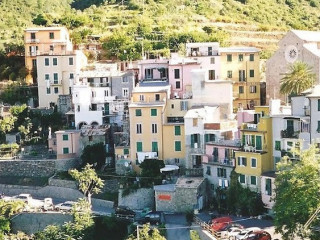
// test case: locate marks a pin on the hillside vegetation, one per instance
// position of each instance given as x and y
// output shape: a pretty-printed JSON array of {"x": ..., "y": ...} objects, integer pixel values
[{"x": 251, "y": 22}]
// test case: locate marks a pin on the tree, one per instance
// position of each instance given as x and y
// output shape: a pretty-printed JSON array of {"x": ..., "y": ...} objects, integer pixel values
[
  {"x": 146, "y": 233},
  {"x": 88, "y": 181},
  {"x": 94, "y": 154},
  {"x": 150, "y": 171},
  {"x": 299, "y": 78},
  {"x": 297, "y": 193}
]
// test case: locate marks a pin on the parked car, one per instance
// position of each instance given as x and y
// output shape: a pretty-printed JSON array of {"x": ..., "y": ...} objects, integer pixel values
[
  {"x": 259, "y": 235},
  {"x": 231, "y": 230},
  {"x": 25, "y": 197},
  {"x": 66, "y": 206},
  {"x": 152, "y": 218},
  {"x": 218, "y": 224},
  {"x": 244, "y": 234},
  {"x": 124, "y": 211},
  {"x": 38, "y": 205}
]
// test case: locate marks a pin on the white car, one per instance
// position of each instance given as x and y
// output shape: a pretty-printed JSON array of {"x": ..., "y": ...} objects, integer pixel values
[
  {"x": 66, "y": 206},
  {"x": 230, "y": 233},
  {"x": 245, "y": 233}
]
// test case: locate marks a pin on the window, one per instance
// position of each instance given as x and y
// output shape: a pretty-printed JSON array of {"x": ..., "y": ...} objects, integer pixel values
[
  {"x": 154, "y": 146},
  {"x": 56, "y": 90},
  {"x": 70, "y": 60},
  {"x": 125, "y": 79},
  {"x": 242, "y": 161},
  {"x": 125, "y": 92},
  {"x": 46, "y": 61},
  {"x": 251, "y": 73},
  {"x": 138, "y": 112},
  {"x": 251, "y": 57},
  {"x": 177, "y": 130},
  {"x": 106, "y": 93},
  {"x": 153, "y": 112},
  {"x": 55, "y": 61},
  {"x": 172, "y": 106},
  {"x": 66, "y": 150},
  {"x": 222, "y": 172},
  {"x": 177, "y": 73},
  {"x": 55, "y": 78},
  {"x": 253, "y": 180},
  {"x": 51, "y": 47},
  {"x": 253, "y": 89},
  {"x": 178, "y": 85},
  {"x": 242, "y": 178},
  {"x": 209, "y": 51},
  {"x": 177, "y": 146},
  {"x": 125, "y": 151},
  {"x": 212, "y": 74},
  {"x": 154, "y": 127},
  {"x": 318, "y": 104},
  {"x": 33, "y": 35},
  {"x": 47, "y": 77},
  {"x": 242, "y": 76},
  {"x": 277, "y": 145},
  {"x": 268, "y": 186},
  {"x": 208, "y": 172},
  {"x": 157, "y": 97},
  {"x": 148, "y": 73},
  {"x": 318, "y": 129},
  {"x": 139, "y": 128},
  {"x": 71, "y": 76},
  {"x": 209, "y": 137},
  {"x": 195, "y": 122},
  {"x": 229, "y": 57},
  {"x": 229, "y": 74},
  {"x": 48, "y": 90},
  {"x": 139, "y": 146},
  {"x": 65, "y": 137},
  {"x": 241, "y": 89},
  {"x": 253, "y": 162},
  {"x": 240, "y": 57},
  {"x": 34, "y": 62},
  {"x": 141, "y": 98},
  {"x": 212, "y": 60},
  {"x": 51, "y": 35}
]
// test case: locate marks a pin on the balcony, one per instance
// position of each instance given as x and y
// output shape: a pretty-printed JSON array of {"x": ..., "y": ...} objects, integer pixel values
[
  {"x": 222, "y": 161},
  {"x": 175, "y": 119},
  {"x": 197, "y": 151},
  {"x": 250, "y": 126},
  {"x": 32, "y": 40},
  {"x": 288, "y": 133},
  {"x": 56, "y": 82},
  {"x": 100, "y": 85}
]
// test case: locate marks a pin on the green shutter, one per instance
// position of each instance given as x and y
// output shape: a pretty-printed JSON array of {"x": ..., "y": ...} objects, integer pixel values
[
  {"x": 154, "y": 146},
  {"x": 138, "y": 112},
  {"x": 244, "y": 161},
  {"x": 65, "y": 150},
  {"x": 243, "y": 139},
  {"x": 153, "y": 112},
  {"x": 65, "y": 137},
  {"x": 238, "y": 161},
  {"x": 318, "y": 104},
  {"x": 139, "y": 146},
  {"x": 259, "y": 143},
  {"x": 252, "y": 140},
  {"x": 125, "y": 151},
  {"x": 177, "y": 146},
  {"x": 206, "y": 137},
  {"x": 192, "y": 140},
  {"x": 177, "y": 130}
]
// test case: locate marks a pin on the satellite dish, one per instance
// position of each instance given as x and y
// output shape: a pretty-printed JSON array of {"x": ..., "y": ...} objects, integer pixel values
[{"x": 126, "y": 164}]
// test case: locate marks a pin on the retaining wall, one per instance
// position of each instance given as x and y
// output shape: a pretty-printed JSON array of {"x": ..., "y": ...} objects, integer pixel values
[{"x": 142, "y": 198}]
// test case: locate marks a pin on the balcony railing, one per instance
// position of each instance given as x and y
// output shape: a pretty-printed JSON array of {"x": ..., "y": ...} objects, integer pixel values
[
  {"x": 55, "y": 82},
  {"x": 289, "y": 133},
  {"x": 250, "y": 126},
  {"x": 32, "y": 40},
  {"x": 100, "y": 85},
  {"x": 195, "y": 172},
  {"x": 222, "y": 161},
  {"x": 197, "y": 151}
]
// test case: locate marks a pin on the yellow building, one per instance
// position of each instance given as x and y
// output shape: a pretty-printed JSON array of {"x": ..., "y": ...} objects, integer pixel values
[
  {"x": 255, "y": 157},
  {"x": 156, "y": 125},
  {"x": 242, "y": 66},
  {"x": 44, "y": 41}
]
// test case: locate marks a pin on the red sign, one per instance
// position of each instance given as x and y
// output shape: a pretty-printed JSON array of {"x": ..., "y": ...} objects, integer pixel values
[{"x": 164, "y": 197}]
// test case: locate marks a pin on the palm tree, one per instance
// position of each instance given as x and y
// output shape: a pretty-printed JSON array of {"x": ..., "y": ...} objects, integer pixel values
[{"x": 299, "y": 78}]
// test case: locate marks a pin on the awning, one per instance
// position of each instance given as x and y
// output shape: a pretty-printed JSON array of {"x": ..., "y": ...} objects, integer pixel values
[{"x": 169, "y": 168}]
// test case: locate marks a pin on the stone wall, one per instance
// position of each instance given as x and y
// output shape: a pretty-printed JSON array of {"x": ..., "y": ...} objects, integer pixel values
[
  {"x": 111, "y": 185},
  {"x": 27, "y": 168},
  {"x": 142, "y": 198},
  {"x": 33, "y": 222},
  {"x": 163, "y": 203},
  {"x": 35, "y": 168},
  {"x": 62, "y": 183}
]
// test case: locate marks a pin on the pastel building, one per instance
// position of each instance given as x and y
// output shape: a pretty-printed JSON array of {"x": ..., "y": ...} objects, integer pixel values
[
  {"x": 255, "y": 157},
  {"x": 56, "y": 75},
  {"x": 44, "y": 41},
  {"x": 66, "y": 144},
  {"x": 241, "y": 65},
  {"x": 296, "y": 45}
]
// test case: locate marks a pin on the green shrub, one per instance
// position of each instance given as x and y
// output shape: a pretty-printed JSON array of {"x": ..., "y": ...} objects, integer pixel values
[{"x": 194, "y": 235}]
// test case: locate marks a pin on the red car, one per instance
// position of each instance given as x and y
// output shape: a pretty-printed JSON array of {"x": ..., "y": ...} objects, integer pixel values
[
  {"x": 219, "y": 223},
  {"x": 259, "y": 235}
]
